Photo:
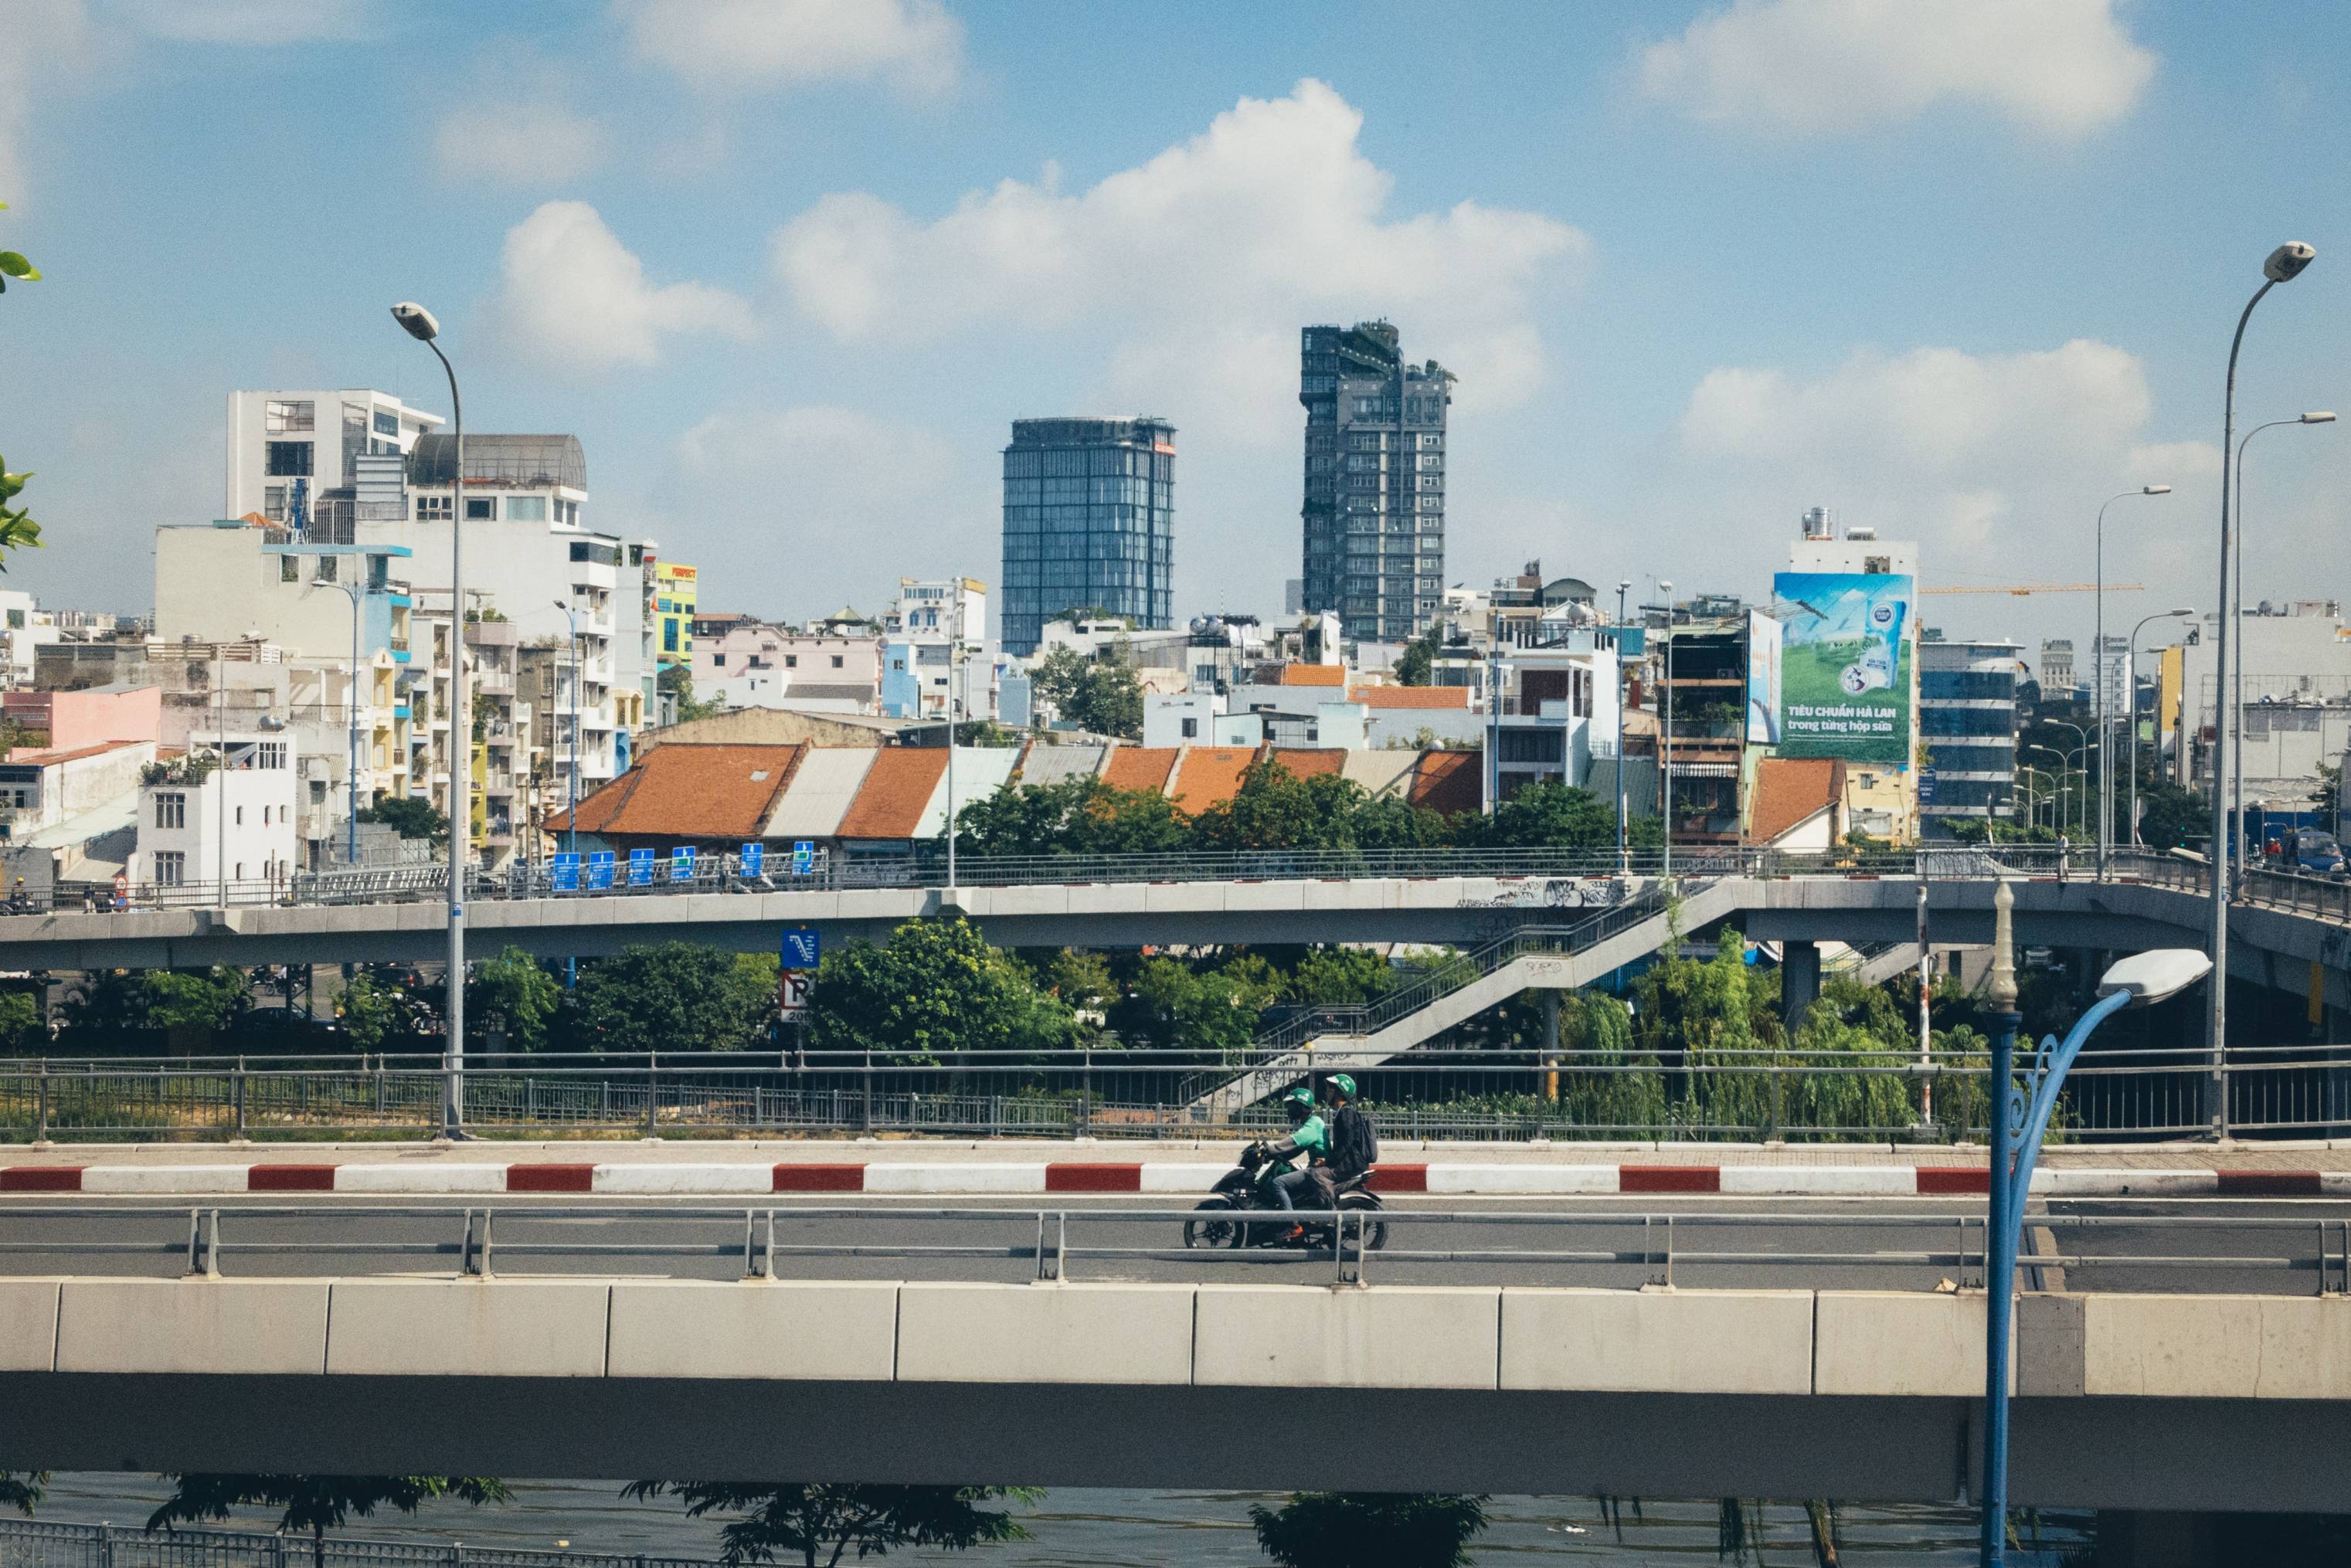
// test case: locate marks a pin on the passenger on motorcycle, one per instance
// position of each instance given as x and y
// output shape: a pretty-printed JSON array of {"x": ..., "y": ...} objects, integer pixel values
[
  {"x": 1353, "y": 1146},
  {"x": 1308, "y": 1135}
]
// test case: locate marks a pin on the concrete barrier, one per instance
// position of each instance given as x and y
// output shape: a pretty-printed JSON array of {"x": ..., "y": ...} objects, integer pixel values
[
  {"x": 1693, "y": 1341},
  {"x": 2217, "y": 1347},
  {"x": 1305, "y": 1337},
  {"x": 828, "y": 1330},
  {"x": 1045, "y": 1334},
  {"x": 28, "y": 1325},
  {"x": 239, "y": 1327},
  {"x": 467, "y": 1328},
  {"x": 1892, "y": 1342}
]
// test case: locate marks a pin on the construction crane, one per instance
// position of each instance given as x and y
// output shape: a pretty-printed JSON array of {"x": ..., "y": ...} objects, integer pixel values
[{"x": 2022, "y": 589}]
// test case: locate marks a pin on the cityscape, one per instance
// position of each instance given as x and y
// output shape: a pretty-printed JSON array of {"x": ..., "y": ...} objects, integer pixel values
[{"x": 1465, "y": 742}]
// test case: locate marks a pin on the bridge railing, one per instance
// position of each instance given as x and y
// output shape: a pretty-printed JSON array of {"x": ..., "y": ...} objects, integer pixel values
[
  {"x": 38, "y": 1543},
  {"x": 1877, "y": 1096}
]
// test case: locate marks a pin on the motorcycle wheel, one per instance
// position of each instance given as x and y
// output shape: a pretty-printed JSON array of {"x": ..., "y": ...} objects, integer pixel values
[
  {"x": 1217, "y": 1228},
  {"x": 1374, "y": 1232}
]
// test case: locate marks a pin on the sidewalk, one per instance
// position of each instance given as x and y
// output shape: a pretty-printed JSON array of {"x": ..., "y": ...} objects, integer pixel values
[{"x": 866, "y": 1167}]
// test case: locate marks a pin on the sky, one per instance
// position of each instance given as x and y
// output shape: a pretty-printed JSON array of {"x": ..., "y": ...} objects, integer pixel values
[{"x": 1957, "y": 269}]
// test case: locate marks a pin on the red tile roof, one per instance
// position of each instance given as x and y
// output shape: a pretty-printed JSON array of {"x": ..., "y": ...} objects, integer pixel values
[
  {"x": 1411, "y": 696},
  {"x": 1313, "y": 675},
  {"x": 889, "y": 804},
  {"x": 1139, "y": 767},
  {"x": 1787, "y": 790},
  {"x": 685, "y": 790},
  {"x": 1448, "y": 782},
  {"x": 1310, "y": 762},
  {"x": 1210, "y": 775}
]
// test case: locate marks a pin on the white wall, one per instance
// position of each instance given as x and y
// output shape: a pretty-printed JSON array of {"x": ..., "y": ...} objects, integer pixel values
[{"x": 240, "y": 821}]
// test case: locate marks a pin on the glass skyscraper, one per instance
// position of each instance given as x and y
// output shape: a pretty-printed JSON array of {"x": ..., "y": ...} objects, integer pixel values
[
  {"x": 1088, "y": 523},
  {"x": 1375, "y": 512}
]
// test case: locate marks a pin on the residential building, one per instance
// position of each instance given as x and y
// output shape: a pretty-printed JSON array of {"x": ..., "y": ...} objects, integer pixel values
[
  {"x": 496, "y": 744},
  {"x": 674, "y": 588},
  {"x": 1881, "y": 795},
  {"x": 2056, "y": 671},
  {"x": 1374, "y": 517},
  {"x": 1700, "y": 704},
  {"x": 1967, "y": 730},
  {"x": 2295, "y": 659},
  {"x": 1088, "y": 523},
  {"x": 935, "y": 635},
  {"x": 23, "y": 628},
  {"x": 223, "y": 810},
  {"x": 316, "y": 462}
]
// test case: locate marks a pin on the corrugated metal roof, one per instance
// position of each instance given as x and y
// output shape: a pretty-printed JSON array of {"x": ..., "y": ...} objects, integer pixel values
[
  {"x": 1057, "y": 764},
  {"x": 1379, "y": 772},
  {"x": 820, "y": 790},
  {"x": 979, "y": 772}
]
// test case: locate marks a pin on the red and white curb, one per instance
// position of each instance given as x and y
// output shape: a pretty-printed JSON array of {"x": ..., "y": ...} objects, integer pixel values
[{"x": 907, "y": 1177}]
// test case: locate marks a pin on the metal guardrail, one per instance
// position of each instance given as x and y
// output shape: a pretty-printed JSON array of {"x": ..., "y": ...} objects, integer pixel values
[
  {"x": 34, "y": 1544},
  {"x": 1656, "y": 1239},
  {"x": 1479, "y": 1095}
]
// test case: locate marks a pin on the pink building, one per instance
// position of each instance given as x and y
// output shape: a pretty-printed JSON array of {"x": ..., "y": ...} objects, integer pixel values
[{"x": 93, "y": 716}]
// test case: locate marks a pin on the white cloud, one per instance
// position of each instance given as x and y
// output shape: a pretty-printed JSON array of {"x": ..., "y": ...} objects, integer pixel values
[
  {"x": 577, "y": 298},
  {"x": 521, "y": 143},
  {"x": 803, "y": 504},
  {"x": 2063, "y": 68},
  {"x": 43, "y": 40},
  {"x": 252, "y": 22},
  {"x": 1201, "y": 264},
  {"x": 915, "y": 45}
]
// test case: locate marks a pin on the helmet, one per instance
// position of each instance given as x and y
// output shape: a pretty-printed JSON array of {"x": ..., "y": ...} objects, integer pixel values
[
  {"x": 1343, "y": 1085},
  {"x": 1298, "y": 1104}
]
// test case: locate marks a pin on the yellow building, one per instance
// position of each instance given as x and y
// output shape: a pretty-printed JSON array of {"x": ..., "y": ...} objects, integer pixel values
[{"x": 674, "y": 591}]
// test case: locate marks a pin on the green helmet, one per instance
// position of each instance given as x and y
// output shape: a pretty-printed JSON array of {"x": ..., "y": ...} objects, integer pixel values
[
  {"x": 1302, "y": 1095},
  {"x": 1344, "y": 1084}
]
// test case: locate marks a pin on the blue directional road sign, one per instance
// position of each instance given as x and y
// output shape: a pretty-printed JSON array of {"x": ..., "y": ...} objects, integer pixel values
[
  {"x": 681, "y": 864},
  {"x": 640, "y": 867},
  {"x": 754, "y": 857},
  {"x": 600, "y": 871},
  {"x": 563, "y": 871},
  {"x": 800, "y": 948},
  {"x": 804, "y": 857}
]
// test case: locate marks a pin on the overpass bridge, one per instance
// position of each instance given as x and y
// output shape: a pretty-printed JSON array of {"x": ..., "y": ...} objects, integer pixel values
[{"x": 2145, "y": 1401}]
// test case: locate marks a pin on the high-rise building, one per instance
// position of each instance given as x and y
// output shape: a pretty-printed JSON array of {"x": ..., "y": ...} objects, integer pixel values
[
  {"x": 313, "y": 461},
  {"x": 676, "y": 590},
  {"x": 1375, "y": 512},
  {"x": 1088, "y": 523},
  {"x": 1967, "y": 727}
]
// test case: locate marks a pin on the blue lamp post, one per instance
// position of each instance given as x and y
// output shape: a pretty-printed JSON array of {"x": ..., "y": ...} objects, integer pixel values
[{"x": 2020, "y": 1118}]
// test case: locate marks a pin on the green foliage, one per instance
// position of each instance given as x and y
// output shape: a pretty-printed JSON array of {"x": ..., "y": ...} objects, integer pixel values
[
  {"x": 935, "y": 988},
  {"x": 1369, "y": 1530},
  {"x": 1105, "y": 696},
  {"x": 517, "y": 991},
  {"x": 670, "y": 997},
  {"x": 1338, "y": 977},
  {"x": 382, "y": 1006},
  {"x": 185, "y": 771},
  {"x": 23, "y": 1492},
  {"x": 316, "y": 1503},
  {"x": 410, "y": 816},
  {"x": 1417, "y": 662},
  {"x": 820, "y": 1524},
  {"x": 678, "y": 679},
  {"x": 191, "y": 999},
  {"x": 2169, "y": 816},
  {"x": 1547, "y": 815},
  {"x": 21, "y": 1023},
  {"x": 17, "y": 528},
  {"x": 13, "y": 265},
  {"x": 1081, "y": 980},
  {"x": 1080, "y": 816},
  {"x": 1274, "y": 808},
  {"x": 1175, "y": 1005}
]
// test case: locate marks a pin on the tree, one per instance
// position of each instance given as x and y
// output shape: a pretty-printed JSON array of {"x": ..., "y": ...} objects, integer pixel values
[
  {"x": 516, "y": 990},
  {"x": 1104, "y": 696},
  {"x": 1077, "y": 816},
  {"x": 196, "y": 999},
  {"x": 678, "y": 679},
  {"x": 315, "y": 1502},
  {"x": 1369, "y": 1530},
  {"x": 820, "y": 1524},
  {"x": 13, "y": 265},
  {"x": 1276, "y": 810},
  {"x": 1545, "y": 815},
  {"x": 2170, "y": 816},
  {"x": 1338, "y": 977},
  {"x": 20, "y": 1019},
  {"x": 934, "y": 991},
  {"x": 384, "y": 1004},
  {"x": 23, "y": 1492},
  {"x": 18, "y": 529},
  {"x": 670, "y": 997},
  {"x": 1177, "y": 1005},
  {"x": 1417, "y": 662},
  {"x": 410, "y": 816}
]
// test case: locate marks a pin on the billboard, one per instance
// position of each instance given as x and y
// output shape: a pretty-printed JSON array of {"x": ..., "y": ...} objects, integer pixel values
[
  {"x": 1763, "y": 699},
  {"x": 1845, "y": 671}
]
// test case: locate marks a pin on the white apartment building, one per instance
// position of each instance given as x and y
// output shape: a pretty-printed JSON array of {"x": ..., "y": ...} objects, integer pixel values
[
  {"x": 2296, "y": 662},
  {"x": 316, "y": 461},
  {"x": 935, "y": 630},
  {"x": 24, "y": 626},
  {"x": 822, "y": 658},
  {"x": 226, "y": 809}
]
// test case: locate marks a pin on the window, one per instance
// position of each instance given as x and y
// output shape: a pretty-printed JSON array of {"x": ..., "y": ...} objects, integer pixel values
[
  {"x": 1877, "y": 564},
  {"x": 287, "y": 459},
  {"x": 568, "y": 513},
  {"x": 526, "y": 508},
  {"x": 387, "y": 423},
  {"x": 279, "y": 417},
  {"x": 289, "y": 569},
  {"x": 171, "y": 810},
  {"x": 481, "y": 508},
  {"x": 240, "y": 816},
  {"x": 240, "y": 871},
  {"x": 836, "y": 661},
  {"x": 273, "y": 501},
  {"x": 170, "y": 868},
  {"x": 718, "y": 660},
  {"x": 791, "y": 661},
  {"x": 270, "y": 755},
  {"x": 431, "y": 509},
  {"x": 1191, "y": 730},
  {"x": 326, "y": 568}
]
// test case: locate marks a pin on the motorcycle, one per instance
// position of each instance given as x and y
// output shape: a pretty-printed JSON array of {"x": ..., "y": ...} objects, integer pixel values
[{"x": 1248, "y": 1189}]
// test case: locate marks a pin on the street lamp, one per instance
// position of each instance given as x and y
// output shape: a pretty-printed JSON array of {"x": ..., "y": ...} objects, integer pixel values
[
  {"x": 2032, "y": 805},
  {"x": 2064, "y": 795},
  {"x": 2142, "y": 979},
  {"x": 352, "y": 811},
  {"x": 2099, "y": 665},
  {"x": 2237, "y": 634},
  {"x": 2164, "y": 616},
  {"x": 2284, "y": 265},
  {"x": 1666, "y": 593},
  {"x": 1623, "y": 843},
  {"x": 2083, "y": 736},
  {"x": 418, "y": 324}
]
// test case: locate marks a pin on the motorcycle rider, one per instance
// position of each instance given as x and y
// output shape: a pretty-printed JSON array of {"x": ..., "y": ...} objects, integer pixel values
[
  {"x": 1308, "y": 1135},
  {"x": 1355, "y": 1147}
]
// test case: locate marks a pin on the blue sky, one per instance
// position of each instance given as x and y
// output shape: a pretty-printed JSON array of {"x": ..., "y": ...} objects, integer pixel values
[{"x": 1960, "y": 268}]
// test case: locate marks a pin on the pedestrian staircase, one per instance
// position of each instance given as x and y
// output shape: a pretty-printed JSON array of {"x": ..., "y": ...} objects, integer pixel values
[{"x": 1534, "y": 957}]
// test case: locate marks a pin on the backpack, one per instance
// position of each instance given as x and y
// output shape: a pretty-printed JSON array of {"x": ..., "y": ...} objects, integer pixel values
[{"x": 1354, "y": 1146}]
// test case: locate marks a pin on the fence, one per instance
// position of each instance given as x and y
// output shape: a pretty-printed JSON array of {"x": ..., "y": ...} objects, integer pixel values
[
  {"x": 26, "y": 1544},
  {"x": 1482, "y": 1094}
]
